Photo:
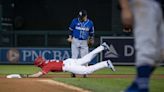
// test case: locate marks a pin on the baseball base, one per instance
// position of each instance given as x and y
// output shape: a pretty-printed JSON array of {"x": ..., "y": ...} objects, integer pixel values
[{"x": 13, "y": 76}]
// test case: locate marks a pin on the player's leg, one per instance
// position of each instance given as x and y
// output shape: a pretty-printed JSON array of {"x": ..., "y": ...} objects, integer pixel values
[
  {"x": 162, "y": 42},
  {"x": 79, "y": 69},
  {"x": 74, "y": 51},
  {"x": 146, "y": 45},
  {"x": 87, "y": 58},
  {"x": 162, "y": 39},
  {"x": 84, "y": 51},
  {"x": 145, "y": 23}
]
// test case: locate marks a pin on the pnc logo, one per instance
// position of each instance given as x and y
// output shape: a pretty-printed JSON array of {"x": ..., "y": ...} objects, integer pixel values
[{"x": 13, "y": 55}]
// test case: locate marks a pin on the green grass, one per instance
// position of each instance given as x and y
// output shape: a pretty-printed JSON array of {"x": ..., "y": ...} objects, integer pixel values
[
  {"x": 97, "y": 84},
  {"x": 29, "y": 69},
  {"x": 18, "y": 69},
  {"x": 93, "y": 84},
  {"x": 109, "y": 85}
]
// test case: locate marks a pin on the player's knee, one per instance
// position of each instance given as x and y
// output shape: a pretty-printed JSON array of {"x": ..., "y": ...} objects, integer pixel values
[{"x": 152, "y": 54}]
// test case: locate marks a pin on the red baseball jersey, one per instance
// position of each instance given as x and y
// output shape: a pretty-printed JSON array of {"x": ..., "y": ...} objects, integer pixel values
[{"x": 52, "y": 66}]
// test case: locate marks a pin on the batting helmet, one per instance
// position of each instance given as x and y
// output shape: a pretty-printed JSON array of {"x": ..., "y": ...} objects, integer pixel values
[{"x": 39, "y": 61}]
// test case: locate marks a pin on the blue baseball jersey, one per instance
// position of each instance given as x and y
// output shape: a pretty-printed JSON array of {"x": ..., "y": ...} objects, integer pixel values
[{"x": 81, "y": 30}]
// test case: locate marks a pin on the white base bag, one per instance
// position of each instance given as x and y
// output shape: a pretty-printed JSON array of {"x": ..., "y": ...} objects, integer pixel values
[{"x": 13, "y": 76}]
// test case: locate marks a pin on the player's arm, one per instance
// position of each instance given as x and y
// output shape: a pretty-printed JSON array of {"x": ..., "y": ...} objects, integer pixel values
[
  {"x": 126, "y": 14},
  {"x": 38, "y": 74},
  {"x": 124, "y": 4},
  {"x": 91, "y": 35},
  {"x": 70, "y": 30},
  {"x": 69, "y": 39}
]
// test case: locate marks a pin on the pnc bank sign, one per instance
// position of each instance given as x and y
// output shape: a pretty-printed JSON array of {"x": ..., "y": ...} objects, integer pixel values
[
  {"x": 28, "y": 55},
  {"x": 46, "y": 53}
]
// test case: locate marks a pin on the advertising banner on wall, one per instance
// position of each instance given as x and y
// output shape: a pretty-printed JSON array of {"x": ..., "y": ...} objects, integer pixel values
[
  {"x": 121, "y": 50},
  {"x": 28, "y": 55}
]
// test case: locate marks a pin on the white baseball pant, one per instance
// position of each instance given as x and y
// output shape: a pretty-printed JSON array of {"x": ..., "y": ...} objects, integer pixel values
[
  {"x": 77, "y": 65},
  {"x": 79, "y": 47}
]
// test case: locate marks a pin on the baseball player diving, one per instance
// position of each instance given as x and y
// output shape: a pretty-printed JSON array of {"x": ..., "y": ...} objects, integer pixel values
[
  {"x": 72, "y": 65},
  {"x": 81, "y": 34}
]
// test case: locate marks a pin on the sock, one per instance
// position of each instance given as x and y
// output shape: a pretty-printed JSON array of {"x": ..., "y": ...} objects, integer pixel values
[
  {"x": 143, "y": 75},
  {"x": 145, "y": 71},
  {"x": 141, "y": 83}
]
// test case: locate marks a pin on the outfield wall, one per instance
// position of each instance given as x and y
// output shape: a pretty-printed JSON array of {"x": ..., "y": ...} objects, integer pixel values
[{"x": 122, "y": 50}]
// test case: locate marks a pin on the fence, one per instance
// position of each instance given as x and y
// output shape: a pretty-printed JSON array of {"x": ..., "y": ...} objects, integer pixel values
[{"x": 44, "y": 38}]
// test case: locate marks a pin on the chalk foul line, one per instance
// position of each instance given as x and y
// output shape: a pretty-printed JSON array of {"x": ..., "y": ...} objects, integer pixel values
[{"x": 52, "y": 82}]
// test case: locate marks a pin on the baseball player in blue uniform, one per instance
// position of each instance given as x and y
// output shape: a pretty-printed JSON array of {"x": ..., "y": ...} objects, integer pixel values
[
  {"x": 81, "y": 34},
  {"x": 147, "y": 20}
]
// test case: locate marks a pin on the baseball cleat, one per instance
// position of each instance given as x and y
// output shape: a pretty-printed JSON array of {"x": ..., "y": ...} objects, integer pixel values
[
  {"x": 84, "y": 76},
  {"x": 73, "y": 75},
  {"x": 105, "y": 45},
  {"x": 133, "y": 88},
  {"x": 110, "y": 65}
]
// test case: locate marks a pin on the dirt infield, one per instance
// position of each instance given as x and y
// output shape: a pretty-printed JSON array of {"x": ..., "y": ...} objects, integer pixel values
[
  {"x": 34, "y": 85},
  {"x": 44, "y": 84}
]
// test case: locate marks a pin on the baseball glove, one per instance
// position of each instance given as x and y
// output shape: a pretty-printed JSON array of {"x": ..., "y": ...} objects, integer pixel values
[
  {"x": 24, "y": 75},
  {"x": 127, "y": 28},
  {"x": 90, "y": 42}
]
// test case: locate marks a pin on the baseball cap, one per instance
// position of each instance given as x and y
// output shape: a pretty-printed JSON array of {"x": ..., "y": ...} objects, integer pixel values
[{"x": 82, "y": 13}]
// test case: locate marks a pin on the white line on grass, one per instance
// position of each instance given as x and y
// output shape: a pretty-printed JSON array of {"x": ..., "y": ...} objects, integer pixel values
[{"x": 63, "y": 85}]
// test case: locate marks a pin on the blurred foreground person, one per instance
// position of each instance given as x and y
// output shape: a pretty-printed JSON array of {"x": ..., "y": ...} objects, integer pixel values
[{"x": 146, "y": 18}]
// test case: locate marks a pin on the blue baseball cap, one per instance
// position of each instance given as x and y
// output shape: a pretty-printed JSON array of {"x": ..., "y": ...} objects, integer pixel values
[{"x": 82, "y": 13}]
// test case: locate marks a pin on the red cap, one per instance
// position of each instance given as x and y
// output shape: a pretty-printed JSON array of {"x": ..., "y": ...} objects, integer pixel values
[{"x": 39, "y": 61}]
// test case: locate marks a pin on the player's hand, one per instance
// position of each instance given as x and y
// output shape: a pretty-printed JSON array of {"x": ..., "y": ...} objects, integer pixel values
[
  {"x": 90, "y": 42},
  {"x": 69, "y": 39},
  {"x": 127, "y": 19},
  {"x": 127, "y": 28},
  {"x": 24, "y": 75}
]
